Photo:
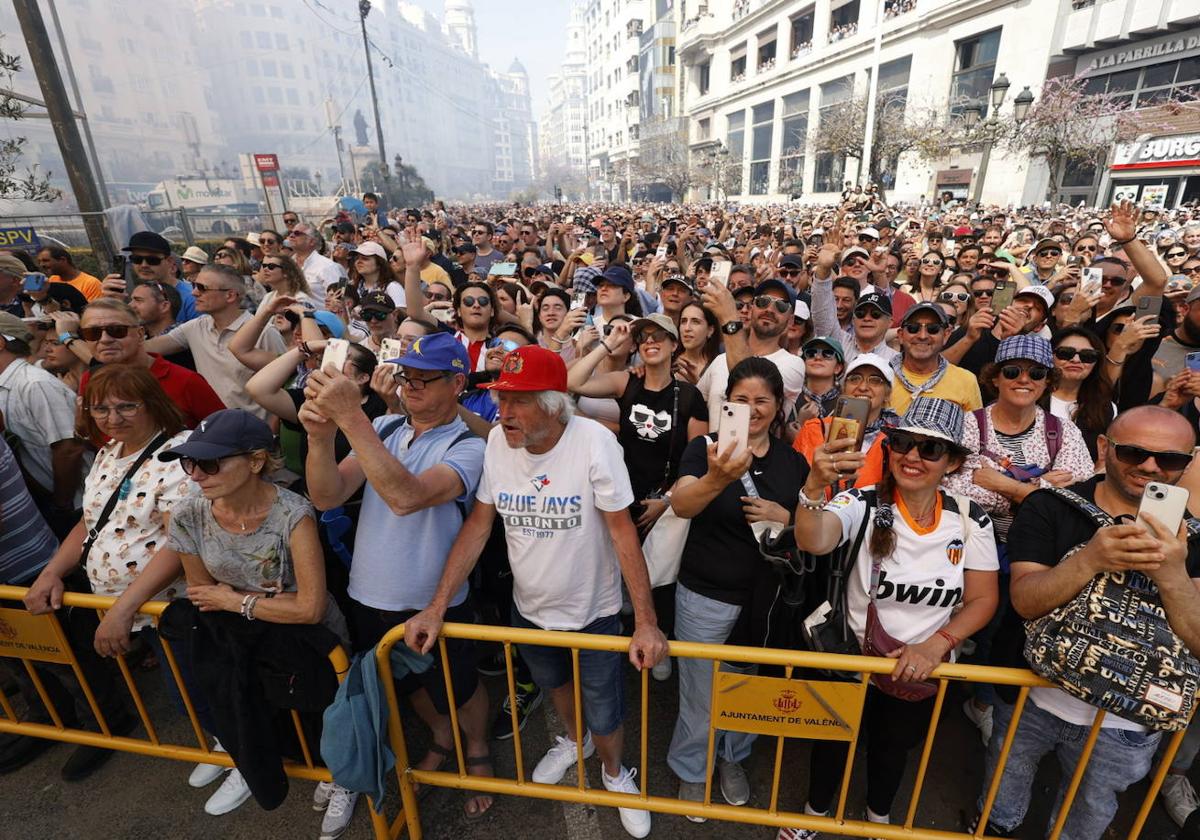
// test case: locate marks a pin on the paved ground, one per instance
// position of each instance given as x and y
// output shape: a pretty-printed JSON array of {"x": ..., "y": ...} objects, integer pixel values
[{"x": 136, "y": 797}]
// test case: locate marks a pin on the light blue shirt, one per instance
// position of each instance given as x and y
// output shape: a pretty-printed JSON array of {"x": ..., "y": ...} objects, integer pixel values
[{"x": 398, "y": 560}]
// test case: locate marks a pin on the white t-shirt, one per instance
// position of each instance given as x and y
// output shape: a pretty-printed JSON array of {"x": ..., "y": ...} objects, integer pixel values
[
  {"x": 715, "y": 379},
  {"x": 565, "y": 569},
  {"x": 923, "y": 581}
]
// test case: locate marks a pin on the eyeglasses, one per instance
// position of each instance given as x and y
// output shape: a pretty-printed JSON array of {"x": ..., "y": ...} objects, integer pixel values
[
  {"x": 482, "y": 301},
  {"x": 125, "y": 409},
  {"x": 930, "y": 329},
  {"x": 113, "y": 331},
  {"x": 1050, "y": 252},
  {"x": 867, "y": 311},
  {"x": 766, "y": 302},
  {"x": 208, "y": 466},
  {"x": 656, "y": 336},
  {"x": 479, "y": 233},
  {"x": 951, "y": 297},
  {"x": 416, "y": 383},
  {"x": 294, "y": 233},
  {"x": 139, "y": 259},
  {"x": 1069, "y": 354},
  {"x": 872, "y": 379},
  {"x": 201, "y": 288},
  {"x": 1036, "y": 372},
  {"x": 268, "y": 241},
  {"x": 982, "y": 293},
  {"x": 1135, "y": 455},
  {"x": 929, "y": 449},
  {"x": 374, "y": 315},
  {"x": 819, "y": 353}
]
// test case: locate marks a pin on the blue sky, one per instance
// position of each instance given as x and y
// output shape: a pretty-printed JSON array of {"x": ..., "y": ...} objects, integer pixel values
[{"x": 534, "y": 34}]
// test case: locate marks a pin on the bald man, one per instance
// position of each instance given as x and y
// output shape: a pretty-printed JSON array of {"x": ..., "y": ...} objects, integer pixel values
[{"x": 1141, "y": 445}]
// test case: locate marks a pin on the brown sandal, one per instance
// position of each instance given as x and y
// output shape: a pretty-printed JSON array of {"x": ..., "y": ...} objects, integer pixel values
[{"x": 484, "y": 760}]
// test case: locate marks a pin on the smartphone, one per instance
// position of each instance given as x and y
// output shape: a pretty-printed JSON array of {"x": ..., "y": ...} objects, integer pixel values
[
  {"x": 849, "y": 420},
  {"x": 1192, "y": 361},
  {"x": 1002, "y": 297},
  {"x": 1164, "y": 502},
  {"x": 1074, "y": 260},
  {"x": 720, "y": 273},
  {"x": 733, "y": 429},
  {"x": 1149, "y": 306},
  {"x": 570, "y": 220},
  {"x": 579, "y": 300},
  {"x": 502, "y": 269},
  {"x": 661, "y": 253},
  {"x": 390, "y": 349},
  {"x": 442, "y": 316},
  {"x": 35, "y": 281},
  {"x": 334, "y": 358},
  {"x": 120, "y": 261},
  {"x": 1093, "y": 280}
]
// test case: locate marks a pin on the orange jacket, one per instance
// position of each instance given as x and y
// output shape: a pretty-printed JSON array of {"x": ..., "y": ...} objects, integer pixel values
[{"x": 812, "y": 434}]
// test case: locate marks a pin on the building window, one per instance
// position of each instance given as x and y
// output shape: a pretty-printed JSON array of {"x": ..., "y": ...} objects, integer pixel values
[
  {"x": 703, "y": 129},
  {"x": 737, "y": 68},
  {"x": 830, "y": 168},
  {"x": 843, "y": 21},
  {"x": 760, "y": 148},
  {"x": 974, "y": 67},
  {"x": 802, "y": 33},
  {"x": 1151, "y": 85},
  {"x": 793, "y": 142},
  {"x": 766, "y": 52},
  {"x": 735, "y": 142},
  {"x": 703, "y": 75}
]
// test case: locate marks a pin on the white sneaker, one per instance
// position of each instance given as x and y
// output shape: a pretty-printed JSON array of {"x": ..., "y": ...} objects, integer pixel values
[
  {"x": 205, "y": 774},
  {"x": 982, "y": 718},
  {"x": 559, "y": 758},
  {"x": 662, "y": 671},
  {"x": 232, "y": 793},
  {"x": 322, "y": 794},
  {"x": 872, "y": 817},
  {"x": 636, "y": 822},
  {"x": 339, "y": 813},
  {"x": 1179, "y": 797}
]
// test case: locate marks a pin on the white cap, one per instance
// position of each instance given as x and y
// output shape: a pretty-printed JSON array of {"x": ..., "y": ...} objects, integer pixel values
[
  {"x": 1041, "y": 293},
  {"x": 872, "y": 360},
  {"x": 372, "y": 249},
  {"x": 802, "y": 311},
  {"x": 869, "y": 231}
]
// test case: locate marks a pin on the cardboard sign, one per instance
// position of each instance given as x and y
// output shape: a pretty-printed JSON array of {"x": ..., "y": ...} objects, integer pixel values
[
  {"x": 25, "y": 238},
  {"x": 822, "y": 710},
  {"x": 35, "y": 637}
]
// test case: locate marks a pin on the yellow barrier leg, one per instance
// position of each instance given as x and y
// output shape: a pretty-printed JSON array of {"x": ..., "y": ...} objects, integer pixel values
[
  {"x": 580, "y": 733},
  {"x": 512, "y": 703},
  {"x": 851, "y": 748},
  {"x": 138, "y": 703},
  {"x": 712, "y": 734},
  {"x": 1077, "y": 776},
  {"x": 998, "y": 774},
  {"x": 1164, "y": 765},
  {"x": 9, "y": 712},
  {"x": 924, "y": 763},
  {"x": 83, "y": 683},
  {"x": 188, "y": 706},
  {"x": 36, "y": 679},
  {"x": 645, "y": 782},
  {"x": 408, "y": 798},
  {"x": 773, "y": 807}
]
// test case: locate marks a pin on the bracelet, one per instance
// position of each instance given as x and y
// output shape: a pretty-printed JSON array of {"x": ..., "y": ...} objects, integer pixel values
[
  {"x": 809, "y": 504},
  {"x": 555, "y": 339},
  {"x": 304, "y": 349},
  {"x": 1113, "y": 361},
  {"x": 1122, "y": 241},
  {"x": 246, "y": 600},
  {"x": 607, "y": 349},
  {"x": 954, "y": 642},
  {"x": 250, "y": 607}
]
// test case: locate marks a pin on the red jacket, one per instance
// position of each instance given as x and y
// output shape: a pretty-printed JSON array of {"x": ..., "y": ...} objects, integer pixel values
[{"x": 190, "y": 391}]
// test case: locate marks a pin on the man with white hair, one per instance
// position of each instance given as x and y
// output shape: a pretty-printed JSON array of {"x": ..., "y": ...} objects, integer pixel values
[
  {"x": 559, "y": 484},
  {"x": 319, "y": 271}
]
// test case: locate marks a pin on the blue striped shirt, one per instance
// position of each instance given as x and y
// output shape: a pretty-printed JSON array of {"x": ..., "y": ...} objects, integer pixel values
[{"x": 26, "y": 542}]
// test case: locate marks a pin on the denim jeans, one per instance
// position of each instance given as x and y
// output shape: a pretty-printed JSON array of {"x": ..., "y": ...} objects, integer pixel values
[
  {"x": 701, "y": 619},
  {"x": 1186, "y": 754},
  {"x": 1119, "y": 759}
]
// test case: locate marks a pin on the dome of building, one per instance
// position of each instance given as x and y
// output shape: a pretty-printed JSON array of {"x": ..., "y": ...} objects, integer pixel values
[{"x": 517, "y": 67}]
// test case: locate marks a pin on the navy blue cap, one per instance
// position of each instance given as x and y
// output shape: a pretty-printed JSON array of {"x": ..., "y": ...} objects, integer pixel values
[
  {"x": 775, "y": 283},
  {"x": 440, "y": 351},
  {"x": 619, "y": 275},
  {"x": 230, "y": 431}
]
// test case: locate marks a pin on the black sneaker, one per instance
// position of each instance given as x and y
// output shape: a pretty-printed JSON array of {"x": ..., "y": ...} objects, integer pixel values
[
  {"x": 529, "y": 697},
  {"x": 991, "y": 829}
]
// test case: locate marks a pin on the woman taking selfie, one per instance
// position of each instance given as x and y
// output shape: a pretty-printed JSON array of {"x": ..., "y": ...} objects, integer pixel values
[{"x": 902, "y": 527}]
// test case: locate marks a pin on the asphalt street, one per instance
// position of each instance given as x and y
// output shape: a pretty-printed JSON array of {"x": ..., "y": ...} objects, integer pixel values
[{"x": 140, "y": 797}]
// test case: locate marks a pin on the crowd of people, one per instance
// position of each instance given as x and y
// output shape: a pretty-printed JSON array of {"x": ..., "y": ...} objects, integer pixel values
[{"x": 915, "y": 432}]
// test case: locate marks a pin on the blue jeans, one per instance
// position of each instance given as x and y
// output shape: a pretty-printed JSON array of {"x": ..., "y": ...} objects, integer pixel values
[
  {"x": 1119, "y": 759},
  {"x": 701, "y": 619}
]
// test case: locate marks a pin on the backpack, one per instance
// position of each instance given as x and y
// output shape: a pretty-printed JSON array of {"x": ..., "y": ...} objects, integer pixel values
[
  {"x": 1112, "y": 645},
  {"x": 1051, "y": 429}
]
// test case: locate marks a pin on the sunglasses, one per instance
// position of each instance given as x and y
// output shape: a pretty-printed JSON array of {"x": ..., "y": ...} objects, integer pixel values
[
  {"x": 208, "y": 466},
  {"x": 1135, "y": 455},
  {"x": 1176, "y": 254},
  {"x": 1036, "y": 372},
  {"x": 222, "y": 254},
  {"x": 742, "y": 304},
  {"x": 930, "y": 329},
  {"x": 789, "y": 272},
  {"x": 932, "y": 262},
  {"x": 930, "y": 449},
  {"x": 113, "y": 331},
  {"x": 1069, "y": 354},
  {"x": 1193, "y": 270},
  {"x": 438, "y": 296},
  {"x": 1113, "y": 280},
  {"x": 265, "y": 241},
  {"x": 1091, "y": 248},
  {"x": 272, "y": 265},
  {"x": 766, "y": 302},
  {"x": 125, "y": 409},
  {"x": 479, "y": 232},
  {"x": 1050, "y": 252},
  {"x": 138, "y": 260},
  {"x": 373, "y": 315},
  {"x": 982, "y": 293},
  {"x": 868, "y": 311},
  {"x": 657, "y": 336},
  {"x": 292, "y": 221},
  {"x": 819, "y": 353},
  {"x": 951, "y": 297},
  {"x": 483, "y": 301},
  {"x": 201, "y": 288}
]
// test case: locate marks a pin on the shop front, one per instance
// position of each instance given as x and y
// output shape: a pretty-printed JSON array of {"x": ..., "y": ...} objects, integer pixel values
[
  {"x": 953, "y": 182},
  {"x": 1161, "y": 172}
]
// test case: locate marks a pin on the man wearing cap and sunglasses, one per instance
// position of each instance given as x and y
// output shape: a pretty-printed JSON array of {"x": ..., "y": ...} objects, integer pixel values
[
  {"x": 152, "y": 261},
  {"x": 922, "y": 371}
]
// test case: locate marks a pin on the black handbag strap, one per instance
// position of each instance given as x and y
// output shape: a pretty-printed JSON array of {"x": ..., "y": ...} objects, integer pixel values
[
  {"x": 111, "y": 504},
  {"x": 840, "y": 568}
]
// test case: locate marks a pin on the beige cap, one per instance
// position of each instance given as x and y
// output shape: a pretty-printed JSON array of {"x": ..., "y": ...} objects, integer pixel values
[{"x": 658, "y": 319}]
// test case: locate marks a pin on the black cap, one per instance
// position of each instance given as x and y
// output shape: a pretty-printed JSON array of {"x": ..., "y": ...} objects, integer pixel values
[
  {"x": 466, "y": 248},
  {"x": 379, "y": 301},
  {"x": 230, "y": 431},
  {"x": 344, "y": 227},
  {"x": 148, "y": 240},
  {"x": 792, "y": 261},
  {"x": 881, "y": 302},
  {"x": 680, "y": 279},
  {"x": 925, "y": 306},
  {"x": 774, "y": 283}
]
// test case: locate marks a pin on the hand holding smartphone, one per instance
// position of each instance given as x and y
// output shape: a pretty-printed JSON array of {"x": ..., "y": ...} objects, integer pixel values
[
  {"x": 336, "y": 352},
  {"x": 390, "y": 349},
  {"x": 1166, "y": 503},
  {"x": 849, "y": 421},
  {"x": 733, "y": 429},
  {"x": 1002, "y": 297},
  {"x": 720, "y": 273}
]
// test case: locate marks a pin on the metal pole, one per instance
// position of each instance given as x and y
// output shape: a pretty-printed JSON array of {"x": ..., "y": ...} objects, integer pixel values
[
  {"x": 87, "y": 127},
  {"x": 66, "y": 131},
  {"x": 983, "y": 168},
  {"x": 864, "y": 166},
  {"x": 364, "y": 8}
]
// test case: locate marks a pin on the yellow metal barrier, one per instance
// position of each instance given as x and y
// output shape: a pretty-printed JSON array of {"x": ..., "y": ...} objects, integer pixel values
[
  {"x": 803, "y": 699},
  {"x": 40, "y": 638}
]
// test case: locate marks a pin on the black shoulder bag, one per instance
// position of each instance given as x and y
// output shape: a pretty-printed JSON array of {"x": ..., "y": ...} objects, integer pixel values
[{"x": 119, "y": 494}]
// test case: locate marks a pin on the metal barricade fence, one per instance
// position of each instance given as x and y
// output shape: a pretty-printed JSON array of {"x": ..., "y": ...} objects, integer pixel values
[{"x": 823, "y": 709}]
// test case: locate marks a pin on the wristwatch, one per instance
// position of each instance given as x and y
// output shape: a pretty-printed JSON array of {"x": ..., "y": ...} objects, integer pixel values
[
  {"x": 65, "y": 338},
  {"x": 732, "y": 328}
]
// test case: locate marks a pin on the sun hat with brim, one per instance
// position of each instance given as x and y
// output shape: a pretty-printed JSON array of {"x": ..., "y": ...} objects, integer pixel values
[
  {"x": 230, "y": 431},
  {"x": 530, "y": 368},
  {"x": 1047, "y": 243},
  {"x": 12, "y": 266},
  {"x": 658, "y": 319},
  {"x": 1033, "y": 348},
  {"x": 933, "y": 418},
  {"x": 440, "y": 351},
  {"x": 12, "y": 327},
  {"x": 872, "y": 360}
]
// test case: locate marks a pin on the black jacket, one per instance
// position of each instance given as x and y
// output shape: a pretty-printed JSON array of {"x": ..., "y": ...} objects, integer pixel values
[{"x": 252, "y": 673}]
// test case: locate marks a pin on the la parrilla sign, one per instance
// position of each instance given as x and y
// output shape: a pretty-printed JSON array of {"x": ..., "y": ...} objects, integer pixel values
[{"x": 1162, "y": 48}]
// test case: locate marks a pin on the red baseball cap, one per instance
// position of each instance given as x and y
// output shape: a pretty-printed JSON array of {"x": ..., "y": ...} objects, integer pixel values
[{"x": 531, "y": 368}]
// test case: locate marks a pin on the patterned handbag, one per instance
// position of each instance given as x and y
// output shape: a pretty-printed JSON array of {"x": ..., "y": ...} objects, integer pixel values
[{"x": 1112, "y": 646}]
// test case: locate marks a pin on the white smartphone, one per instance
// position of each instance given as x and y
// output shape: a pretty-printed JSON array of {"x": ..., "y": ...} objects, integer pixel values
[
  {"x": 442, "y": 316},
  {"x": 661, "y": 253},
  {"x": 1093, "y": 280},
  {"x": 720, "y": 273},
  {"x": 334, "y": 358},
  {"x": 390, "y": 348},
  {"x": 1164, "y": 502},
  {"x": 733, "y": 429}
]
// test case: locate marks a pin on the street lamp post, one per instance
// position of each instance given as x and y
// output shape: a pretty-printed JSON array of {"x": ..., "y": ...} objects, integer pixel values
[
  {"x": 989, "y": 127},
  {"x": 364, "y": 9}
]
